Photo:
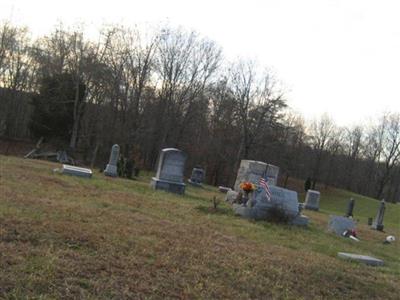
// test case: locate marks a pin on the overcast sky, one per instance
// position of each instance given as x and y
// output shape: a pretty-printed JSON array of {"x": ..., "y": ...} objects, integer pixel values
[{"x": 339, "y": 57}]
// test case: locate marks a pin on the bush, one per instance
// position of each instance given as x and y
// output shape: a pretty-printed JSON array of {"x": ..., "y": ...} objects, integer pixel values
[{"x": 277, "y": 214}]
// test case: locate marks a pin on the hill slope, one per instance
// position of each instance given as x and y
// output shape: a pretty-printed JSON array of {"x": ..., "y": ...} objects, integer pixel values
[{"x": 67, "y": 237}]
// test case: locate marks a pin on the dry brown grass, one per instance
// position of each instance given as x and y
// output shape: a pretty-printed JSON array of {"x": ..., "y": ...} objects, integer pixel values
[{"x": 65, "y": 237}]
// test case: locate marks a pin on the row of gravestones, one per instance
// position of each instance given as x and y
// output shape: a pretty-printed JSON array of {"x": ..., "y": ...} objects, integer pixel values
[
  {"x": 169, "y": 177},
  {"x": 339, "y": 224},
  {"x": 259, "y": 205},
  {"x": 170, "y": 170}
]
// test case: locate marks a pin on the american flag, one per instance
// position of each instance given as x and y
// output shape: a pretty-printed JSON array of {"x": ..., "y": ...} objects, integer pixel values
[{"x": 264, "y": 184}]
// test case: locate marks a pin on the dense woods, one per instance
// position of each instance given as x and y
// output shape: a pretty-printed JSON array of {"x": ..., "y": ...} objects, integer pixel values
[{"x": 150, "y": 89}]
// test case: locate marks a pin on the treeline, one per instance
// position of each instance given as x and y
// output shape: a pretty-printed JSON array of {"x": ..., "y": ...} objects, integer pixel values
[{"x": 150, "y": 89}]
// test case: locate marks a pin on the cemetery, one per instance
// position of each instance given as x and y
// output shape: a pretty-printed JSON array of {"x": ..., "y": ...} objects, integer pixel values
[
  {"x": 89, "y": 220},
  {"x": 199, "y": 150}
]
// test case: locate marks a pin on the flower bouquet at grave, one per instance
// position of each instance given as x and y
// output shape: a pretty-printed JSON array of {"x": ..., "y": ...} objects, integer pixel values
[{"x": 247, "y": 188}]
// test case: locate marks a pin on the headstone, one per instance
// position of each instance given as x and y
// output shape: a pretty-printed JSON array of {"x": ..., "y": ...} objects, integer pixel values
[
  {"x": 197, "y": 177},
  {"x": 378, "y": 222},
  {"x": 350, "y": 207},
  {"x": 339, "y": 224},
  {"x": 369, "y": 260},
  {"x": 252, "y": 171},
  {"x": 261, "y": 206},
  {"x": 111, "y": 168},
  {"x": 284, "y": 198},
  {"x": 370, "y": 220},
  {"x": 76, "y": 171},
  {"x": 169, "y": 176},
  {"x": 312, "y": 200},
  {"x": 272, "y": 174}
]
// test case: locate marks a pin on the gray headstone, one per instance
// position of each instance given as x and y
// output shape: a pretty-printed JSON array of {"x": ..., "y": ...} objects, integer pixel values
[
  {"x": 272, "y": 174},
  {"x": 339, "y": 224},
  {"x": 197, "y": 176},
  {"x": 378, "y": 222},
  {"x": 252, "y": 171},
  {"x": 369, "y": 260},
  {"x": 350, "y": 207},
  {"x": 312, "y": 200},
  {"x": 280, "y": 197},
  {"x": 76, "y": 171},
  {"x": 111, "y": 169},
  {"x": 170, "y": 169}
]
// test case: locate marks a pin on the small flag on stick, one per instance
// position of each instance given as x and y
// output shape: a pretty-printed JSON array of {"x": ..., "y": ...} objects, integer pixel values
[{"x": 264, "y": 184}]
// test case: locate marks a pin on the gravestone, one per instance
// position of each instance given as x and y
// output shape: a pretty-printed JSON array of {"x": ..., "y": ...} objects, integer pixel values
[
  {"x": 111, "y": 168},
  {"x": 312, "y": 200},
  {"x": 350, "y": 207},
  {"x": 339, "y": 224},
  {"x": 259, "y": 206},
  {"x": 169, "y": 176},
  {"x": 272, "y": 174},
  {"x": 368, "y": 260},
  {"x": 76, "y": 171},
  {"x": 197, "y": 177},
  {"x": 252, "y": 171},
  {"x": 378, "y": 222}
]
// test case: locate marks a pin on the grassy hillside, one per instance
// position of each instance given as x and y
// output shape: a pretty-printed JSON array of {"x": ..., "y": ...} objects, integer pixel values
[{"x": 102, "y": 238}]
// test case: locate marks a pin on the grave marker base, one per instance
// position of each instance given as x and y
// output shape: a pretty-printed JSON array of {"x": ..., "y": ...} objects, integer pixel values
[{"x": 169, "y": 186}]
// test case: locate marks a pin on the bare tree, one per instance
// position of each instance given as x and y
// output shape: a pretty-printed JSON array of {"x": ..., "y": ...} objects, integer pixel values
[
  {"x": 353, "y": 140},
  {"x": 390, "y": 150},
  {"x": 258, "y": 103},
  {"x": 321, "y": 134},
  {"x": 16, "y": 77},
  {"x": 185, "y": 64}
]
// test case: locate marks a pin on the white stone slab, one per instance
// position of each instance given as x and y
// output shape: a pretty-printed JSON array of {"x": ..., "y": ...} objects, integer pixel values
[
  {"x": 231, "y": 196},
  {"x": 224, "y": 189},
  {"x": 76, "y": 171},
  {"x": 369, "y": 260}
]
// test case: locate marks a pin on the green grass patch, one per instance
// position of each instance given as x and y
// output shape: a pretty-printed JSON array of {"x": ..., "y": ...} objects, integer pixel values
[{"x": 102, "y": 238}]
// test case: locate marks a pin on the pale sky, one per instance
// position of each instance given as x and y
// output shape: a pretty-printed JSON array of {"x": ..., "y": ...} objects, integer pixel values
[{"x": 339, "y": 57}]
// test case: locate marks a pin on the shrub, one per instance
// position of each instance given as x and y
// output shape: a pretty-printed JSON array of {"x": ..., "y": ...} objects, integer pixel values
[{"x": 277, "y": 214}]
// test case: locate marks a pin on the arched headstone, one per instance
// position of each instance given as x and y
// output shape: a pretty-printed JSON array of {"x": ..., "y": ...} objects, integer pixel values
[
  {"x": 312, "y": 200},
  {"x": 169, "y": 176}
]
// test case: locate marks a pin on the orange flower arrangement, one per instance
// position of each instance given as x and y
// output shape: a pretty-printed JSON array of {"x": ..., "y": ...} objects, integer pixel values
[{"x": 247, "y": 186}]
